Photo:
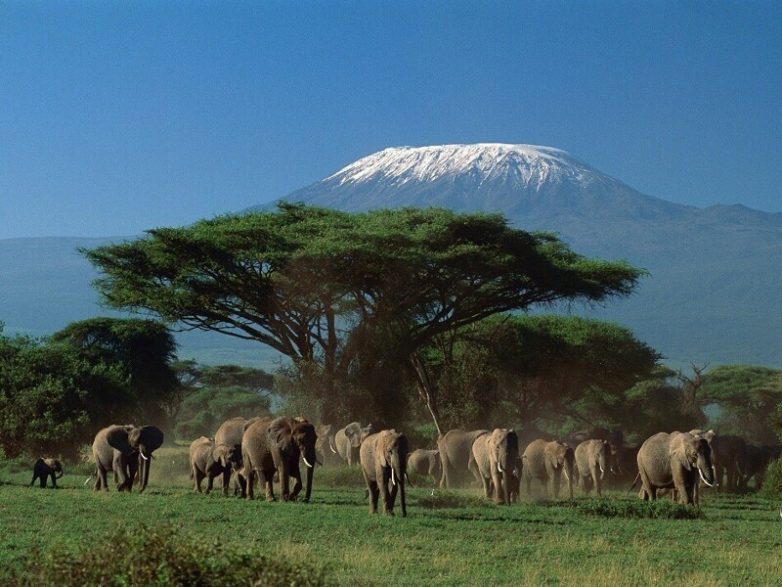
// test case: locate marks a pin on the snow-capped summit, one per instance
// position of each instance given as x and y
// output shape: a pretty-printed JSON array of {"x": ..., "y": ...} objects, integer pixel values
[
  {"x": 526, "y": 180},
  {"x": 530, "y": 165}
]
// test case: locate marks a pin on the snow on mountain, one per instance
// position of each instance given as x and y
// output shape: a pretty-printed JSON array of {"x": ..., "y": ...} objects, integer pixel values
[
  {"x": 530, "y": 165},
  {"x": 527, "y": 181}
]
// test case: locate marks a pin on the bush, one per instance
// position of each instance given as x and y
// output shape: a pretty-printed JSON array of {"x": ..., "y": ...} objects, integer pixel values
[
  {"x": 660, "y": 509},
  {"x": 156, "y": 557},
  {"x": 772, "y": 484}
]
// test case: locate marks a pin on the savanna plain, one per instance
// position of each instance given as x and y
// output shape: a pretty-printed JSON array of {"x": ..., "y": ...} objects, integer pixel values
[{"x": 453, "y": 537}]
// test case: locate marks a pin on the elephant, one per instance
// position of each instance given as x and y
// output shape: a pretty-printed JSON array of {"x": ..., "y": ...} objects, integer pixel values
[
  {"x": 730, "y": 460},
  {"x": 546, "y": 461},
  {"x": 211, "y": 460},
  {"x": 758, "y": 458},
  {"x": 455, "y": 448},
  {"x": 272, "y": 445},
  {"x": 230, "y": 433},
  {"x": 674, "y": 460},
  {"x": 347, "y": 441},
  {"x": 383, "y": 458},
  {"x": 593, "y": 458},
  {"x": 126, "y": 450},
  {"x": 325, "y": 444},
  {"x": 45, "y": 468},
  {"x": 495, "y": 456},
  {"x": 425, "y": 462}
]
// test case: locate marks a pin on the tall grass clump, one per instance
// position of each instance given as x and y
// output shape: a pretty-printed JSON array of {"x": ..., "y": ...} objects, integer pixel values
[
  {"x": 658, "y": 509},
  {"x": 159, "y": 556}
]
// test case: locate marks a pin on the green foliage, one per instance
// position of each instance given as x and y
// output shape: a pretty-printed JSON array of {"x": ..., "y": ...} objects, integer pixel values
[
  {"x": 142, "y": 350},
  {"x": 213, "y": 394},
  {"x": 48, "y": 395},
  {"x": 161, "y": 556},
  {"x": 55, "y": 394},
  {"x": 772, "y": 484},
  {"x": 520, "y": 369},
  {"x": 748, "y": 397},
  {"x": 315, "y": 283},
  {"x": 659, "y": 509}
]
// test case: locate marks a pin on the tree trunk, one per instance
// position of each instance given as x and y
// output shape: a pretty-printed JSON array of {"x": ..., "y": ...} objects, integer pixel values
[{"x": 426, "y": 390}]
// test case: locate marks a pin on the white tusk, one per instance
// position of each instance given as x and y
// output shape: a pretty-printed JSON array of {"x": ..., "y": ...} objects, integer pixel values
[
  {"x": 499, "y": 467},
  {"x": 87, "y": 480},
  {"x": 306, "y": 462},
  {"x": 564, "y": 470},
  {"x": 143, "y": 457},
  {"x": 393, "y": 477},
  {"x": 601, "y": 469},
  {"x": 704, "y": 479}
]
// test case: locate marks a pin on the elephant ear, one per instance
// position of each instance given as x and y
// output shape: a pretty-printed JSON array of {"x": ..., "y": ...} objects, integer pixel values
[
  {"x": 278, "y": 431},
  {"x": 151, "y": 437},
  {"x": 118, "y": 438}
]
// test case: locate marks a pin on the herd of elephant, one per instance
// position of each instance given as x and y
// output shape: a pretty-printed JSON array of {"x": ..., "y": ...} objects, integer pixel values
[{"x": 272, "y": 450}]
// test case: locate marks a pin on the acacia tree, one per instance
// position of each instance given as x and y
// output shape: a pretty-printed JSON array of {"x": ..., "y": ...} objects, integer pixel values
[
  {"x": 538, "y": 368},
  {"x": 314, "y": 283}
]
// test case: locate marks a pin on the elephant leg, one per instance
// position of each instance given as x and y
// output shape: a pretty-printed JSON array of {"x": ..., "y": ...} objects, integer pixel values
[
  {"x": 444, "y": 474},
  {"x": 54, "y": 480},
  {"x": 297, "y": 486},
  {"x": 267, "y": 478},
  {"x": 596, "y": 482},
  {"x": 374, "y": 494},
  {"x": 249, "y": 483},
  {"x": 486, "y": 486},
  {"x": 226, "y": 480}
]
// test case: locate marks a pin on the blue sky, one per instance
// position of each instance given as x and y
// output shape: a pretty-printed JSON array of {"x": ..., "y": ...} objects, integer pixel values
[{"x": 121, "y": 116}]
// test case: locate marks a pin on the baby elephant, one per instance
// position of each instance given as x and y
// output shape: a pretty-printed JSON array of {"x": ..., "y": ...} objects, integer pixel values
[{"x": 45, "y": 468}]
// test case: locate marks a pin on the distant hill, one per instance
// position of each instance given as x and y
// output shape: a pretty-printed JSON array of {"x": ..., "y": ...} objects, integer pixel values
[
  {"x": 714, "y": 291},
  {"x": 713, "y": 295}
]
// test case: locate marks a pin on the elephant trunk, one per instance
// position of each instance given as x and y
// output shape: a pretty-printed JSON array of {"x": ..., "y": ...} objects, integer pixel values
[
  {"x": 61, "y": 473},
  {"x": 398, "y": 471},
  {"x": 601, "y": 462},
  {"x": 310, "y": 473},
  {"x": 703, "y": 464},
  {"x": 506, "y": 487}
]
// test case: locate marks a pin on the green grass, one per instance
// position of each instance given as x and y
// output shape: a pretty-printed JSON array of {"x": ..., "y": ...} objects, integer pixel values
[{"x": 452, "y": 538}]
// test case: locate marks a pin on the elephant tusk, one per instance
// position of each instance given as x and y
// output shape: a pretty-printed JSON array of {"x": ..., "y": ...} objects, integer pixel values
[
  {"x": 704, "y": 479},
  {"x": 143, "y": 457},
  {"x": 87, "y": 480},
  {"x": 601, "y": 470},
  {"x": 393, "y": 477},
  {"x": 564, "y": 470},
  {"x": 306, "y": 462},
  {"x": 499, "y": 467}
]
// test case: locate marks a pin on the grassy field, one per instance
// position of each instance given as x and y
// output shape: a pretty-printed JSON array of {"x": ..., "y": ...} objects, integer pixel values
[{"x": 453, "y": 538}]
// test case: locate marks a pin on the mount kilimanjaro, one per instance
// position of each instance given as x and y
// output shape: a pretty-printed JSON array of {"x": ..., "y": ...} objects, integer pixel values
[
  {"x": 713, "y": 294},
  {"x": 713, "y": 291}
]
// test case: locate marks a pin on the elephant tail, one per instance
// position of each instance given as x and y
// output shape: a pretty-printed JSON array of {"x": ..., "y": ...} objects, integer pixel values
[{"x": 635, "y": 481}]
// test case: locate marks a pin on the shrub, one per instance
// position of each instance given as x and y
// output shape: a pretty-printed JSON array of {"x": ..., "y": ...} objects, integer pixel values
[
  {"x": 660, "y": 509},
  {"x": 772, "y": 484},
  {"x": 158, "y": 556}
]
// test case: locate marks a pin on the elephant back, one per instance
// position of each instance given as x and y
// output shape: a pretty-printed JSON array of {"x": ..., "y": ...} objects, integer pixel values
[{"x": 230, "y": 432}]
